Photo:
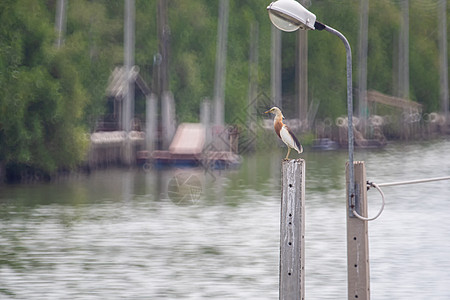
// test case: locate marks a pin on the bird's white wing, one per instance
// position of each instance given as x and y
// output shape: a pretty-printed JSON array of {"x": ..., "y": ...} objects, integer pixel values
[{"x": 288, "y": 139}]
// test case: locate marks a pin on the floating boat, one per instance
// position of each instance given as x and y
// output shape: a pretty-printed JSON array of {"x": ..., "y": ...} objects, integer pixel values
[{"x": 188, "y": 150}]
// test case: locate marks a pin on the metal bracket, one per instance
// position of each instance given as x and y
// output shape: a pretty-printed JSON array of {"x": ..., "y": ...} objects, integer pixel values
[{"x": 354, "y": 202}]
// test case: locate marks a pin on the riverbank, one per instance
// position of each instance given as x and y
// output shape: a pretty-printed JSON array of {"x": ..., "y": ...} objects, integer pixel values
[{"x": 377, "y": 132}]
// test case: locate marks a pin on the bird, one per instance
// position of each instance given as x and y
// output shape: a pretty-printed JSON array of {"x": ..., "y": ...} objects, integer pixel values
[{"x": 283, "y": 132}]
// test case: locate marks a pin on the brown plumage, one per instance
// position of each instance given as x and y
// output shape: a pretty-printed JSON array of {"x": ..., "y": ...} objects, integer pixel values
[
  {"x": 278, "y": 124},
  {"x": 283, "y": 132}
]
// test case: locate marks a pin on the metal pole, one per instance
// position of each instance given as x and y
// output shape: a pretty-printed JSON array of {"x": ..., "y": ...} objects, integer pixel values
[
  {"x": 302, "y": 77},
  {"x": 351, "y": 188},
  {"x": 357, "y": 230},
  {"x": 275, "y": 67}
]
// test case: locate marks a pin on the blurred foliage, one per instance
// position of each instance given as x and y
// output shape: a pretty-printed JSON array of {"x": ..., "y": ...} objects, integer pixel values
[
  {"x": 50, "y": 98},
  {"x": 42, "y": 99}
]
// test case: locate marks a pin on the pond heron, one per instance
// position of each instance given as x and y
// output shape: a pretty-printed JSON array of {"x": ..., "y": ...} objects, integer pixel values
[{"x": 283, "y": 132}]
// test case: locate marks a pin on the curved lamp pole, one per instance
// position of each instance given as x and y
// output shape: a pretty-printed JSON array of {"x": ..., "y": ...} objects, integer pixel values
[{"x": 289, "y": 15}]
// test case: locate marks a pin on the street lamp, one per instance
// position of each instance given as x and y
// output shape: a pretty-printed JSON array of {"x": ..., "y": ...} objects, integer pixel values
[{"x": 289, "y": 15}]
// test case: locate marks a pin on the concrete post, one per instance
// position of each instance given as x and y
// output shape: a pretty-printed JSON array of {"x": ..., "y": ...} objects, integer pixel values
[
  {"x": 357, "y": 238},
  {"x": 292, "y": 230}
]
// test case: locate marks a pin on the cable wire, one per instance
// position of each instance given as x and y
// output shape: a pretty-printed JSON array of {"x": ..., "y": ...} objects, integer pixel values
[
  {"x": 381, "y": 208},
  {"x": 377, "y": 186},
  {"x": 414, "y": 181}
]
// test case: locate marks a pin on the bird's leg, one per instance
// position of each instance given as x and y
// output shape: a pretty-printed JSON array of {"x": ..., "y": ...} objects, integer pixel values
[{"x": 287, "y": 155}]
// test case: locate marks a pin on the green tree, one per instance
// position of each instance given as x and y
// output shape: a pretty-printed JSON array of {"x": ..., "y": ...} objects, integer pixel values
[
  {"x": 42, "y": 98},
  {"x": 52, "y": 97}
]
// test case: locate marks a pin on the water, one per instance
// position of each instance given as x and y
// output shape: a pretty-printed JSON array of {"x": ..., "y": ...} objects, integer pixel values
[{"x": 120, "y": 234}]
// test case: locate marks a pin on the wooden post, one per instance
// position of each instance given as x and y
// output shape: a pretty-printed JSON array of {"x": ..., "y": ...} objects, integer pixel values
[
  {"x": 221, "y": 63},
  {"x": 357, "y": 238},
  {"x": 60, "y": 22},
  {"x": 362, "y": 60},
  {"x": 128, "y": 101},
  {"x": 151, "y": 122},
  {"x": 163, "y": 46},
  {"x": 253, "y": 73},
  {"x": 292, "y": 230},
  {"x": 443, "y": 57},
  {"x": 403, "y": 59}
]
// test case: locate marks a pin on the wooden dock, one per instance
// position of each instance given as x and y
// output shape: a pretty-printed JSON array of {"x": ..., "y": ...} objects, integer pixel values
[
  {"x": 107, "y": 147},
  {"x": 188, "y": 149}
]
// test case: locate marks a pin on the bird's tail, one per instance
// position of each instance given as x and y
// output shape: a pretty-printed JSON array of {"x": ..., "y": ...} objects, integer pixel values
[{"x": 299, "y": 147}]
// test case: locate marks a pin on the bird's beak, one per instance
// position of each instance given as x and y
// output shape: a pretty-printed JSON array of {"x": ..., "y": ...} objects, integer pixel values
[{"x": 267, "y": 112}]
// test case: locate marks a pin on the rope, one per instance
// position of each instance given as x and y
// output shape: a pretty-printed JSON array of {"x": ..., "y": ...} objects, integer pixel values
[
  {"x": 382, "y": 204},
  {"x": 414, "y": 181}
]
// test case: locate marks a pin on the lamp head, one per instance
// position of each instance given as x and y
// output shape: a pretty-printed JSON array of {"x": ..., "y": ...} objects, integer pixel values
[{"x": 289, "y": 15}]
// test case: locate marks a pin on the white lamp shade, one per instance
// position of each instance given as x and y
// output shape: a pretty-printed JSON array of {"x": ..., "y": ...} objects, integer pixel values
[{"x": 289, "y": 15}]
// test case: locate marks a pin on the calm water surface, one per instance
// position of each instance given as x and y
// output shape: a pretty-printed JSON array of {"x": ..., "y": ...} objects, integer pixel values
[{"x": 190, "y": 234}]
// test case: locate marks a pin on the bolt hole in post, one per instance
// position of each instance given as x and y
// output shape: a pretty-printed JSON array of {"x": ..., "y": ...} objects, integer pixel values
[{"x": 292, "y": 224}]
